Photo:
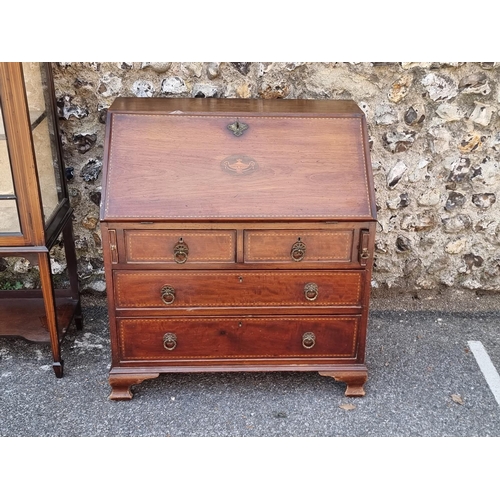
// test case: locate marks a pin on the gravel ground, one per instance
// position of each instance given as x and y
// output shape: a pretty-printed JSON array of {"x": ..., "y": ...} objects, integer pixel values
[{"x": 423, "y": 381}]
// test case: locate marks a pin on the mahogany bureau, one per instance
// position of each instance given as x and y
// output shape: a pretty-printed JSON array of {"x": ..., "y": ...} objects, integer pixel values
[{"x": 238, "y": 235}]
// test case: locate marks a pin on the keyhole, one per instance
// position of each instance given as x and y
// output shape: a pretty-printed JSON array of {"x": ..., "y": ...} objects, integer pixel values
[{"x": 240, "y": 279}]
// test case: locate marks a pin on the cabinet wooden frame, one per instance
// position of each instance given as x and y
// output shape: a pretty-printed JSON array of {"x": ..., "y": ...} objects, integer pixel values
[{"x": 42, "y": 315}]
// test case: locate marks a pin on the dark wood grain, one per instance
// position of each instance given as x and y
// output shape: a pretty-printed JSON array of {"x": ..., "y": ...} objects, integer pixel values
[
  {"x": 276, "y": 245},
  {"x": 300, "y": 107},
  {"x": 157, "y": 247},
  {"x": 237, "y": 289},
  {"x": 299, "y": 172},
  {"x": 307, "y": 165},
  {"x": 244, "y": 338}
]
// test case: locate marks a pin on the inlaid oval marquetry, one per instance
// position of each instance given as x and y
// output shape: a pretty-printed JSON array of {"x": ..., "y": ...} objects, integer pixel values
[{"x": 239, "y": 164}]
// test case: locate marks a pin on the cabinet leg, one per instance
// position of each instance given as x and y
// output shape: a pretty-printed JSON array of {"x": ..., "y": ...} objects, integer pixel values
[
  {"x": 70, "y": 251},
  {"x": 50, "y": 311},
  {"x": 78, "y": 316},
  {"x": 58, "y": 368},
  {"x": 121, "y": 384},
  {"x": 355, "y": 380}
]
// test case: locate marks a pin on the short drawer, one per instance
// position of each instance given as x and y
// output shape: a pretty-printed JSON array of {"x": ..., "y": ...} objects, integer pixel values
[
  {"x": 179, "y": 247},
  {"x": 288, "y": 246},
  {"x": 181, "y": 339},
  {"x": 187, "y": 289}
]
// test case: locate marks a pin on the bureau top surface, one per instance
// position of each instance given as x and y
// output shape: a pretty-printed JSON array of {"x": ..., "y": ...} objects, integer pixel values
[{"x": 236, "y": 159}]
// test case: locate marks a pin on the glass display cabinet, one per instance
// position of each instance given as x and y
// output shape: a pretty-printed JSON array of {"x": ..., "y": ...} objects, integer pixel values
[{"x": 34, "y": 207}]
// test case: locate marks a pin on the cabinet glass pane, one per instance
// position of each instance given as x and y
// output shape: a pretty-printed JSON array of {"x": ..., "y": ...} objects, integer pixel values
[
  {"x": 44, "y": 138},
  {"x": 9, "y": 216}
]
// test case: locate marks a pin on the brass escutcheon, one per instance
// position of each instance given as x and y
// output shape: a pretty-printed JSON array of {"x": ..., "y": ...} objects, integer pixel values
[
  {"x": 298, "y": 251},
  {"x": 311, "y": 291},
  {"x": 237, "y": 128},
  {"x": 170, "y": 341},
  {"x": 308, "y": 340},
  {"x": 168, "y": 294},
  {"x": 181, "y": 251}
]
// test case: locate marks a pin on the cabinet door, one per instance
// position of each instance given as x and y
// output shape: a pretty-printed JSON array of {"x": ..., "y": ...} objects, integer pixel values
[
  {"x": 38, "y": 87},
  {"x": 20, "y": 197},
  {"x": 33, "y": 195}
]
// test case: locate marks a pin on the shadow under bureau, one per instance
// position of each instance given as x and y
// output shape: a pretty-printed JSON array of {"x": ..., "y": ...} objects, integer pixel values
[{"x": 238, "y": 235}]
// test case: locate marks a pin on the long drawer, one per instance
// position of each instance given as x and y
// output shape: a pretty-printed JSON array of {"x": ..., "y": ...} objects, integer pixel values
[
  {"x": 188, "y": 289},
  {"x": 179, "y": 339}
]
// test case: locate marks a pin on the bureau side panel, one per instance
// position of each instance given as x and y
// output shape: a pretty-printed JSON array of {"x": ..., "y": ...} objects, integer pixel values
[{"x": 110, "y": 247}]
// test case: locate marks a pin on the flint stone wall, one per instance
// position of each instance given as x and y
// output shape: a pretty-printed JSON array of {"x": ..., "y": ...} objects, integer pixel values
[{"x": 435, "y": 144}]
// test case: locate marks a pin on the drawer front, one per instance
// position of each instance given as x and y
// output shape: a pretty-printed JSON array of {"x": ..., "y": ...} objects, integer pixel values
[
  {"x": 233, "y": 338},
  {"x": 285, "y": 246},
  {"x": 186, "y": 289},
  {"x": 179, "y": 247}
]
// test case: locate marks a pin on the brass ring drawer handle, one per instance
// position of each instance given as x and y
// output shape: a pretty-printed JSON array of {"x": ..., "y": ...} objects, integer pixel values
[
  {"x": 298, "y": 251},
  {"x": 168, "y": 294},
  {"x": 311, "y": 291},
  {"x": 181, "y": 251},
  {"x": 170, "y": 341},
  {"x": 308, "y": 340}
]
